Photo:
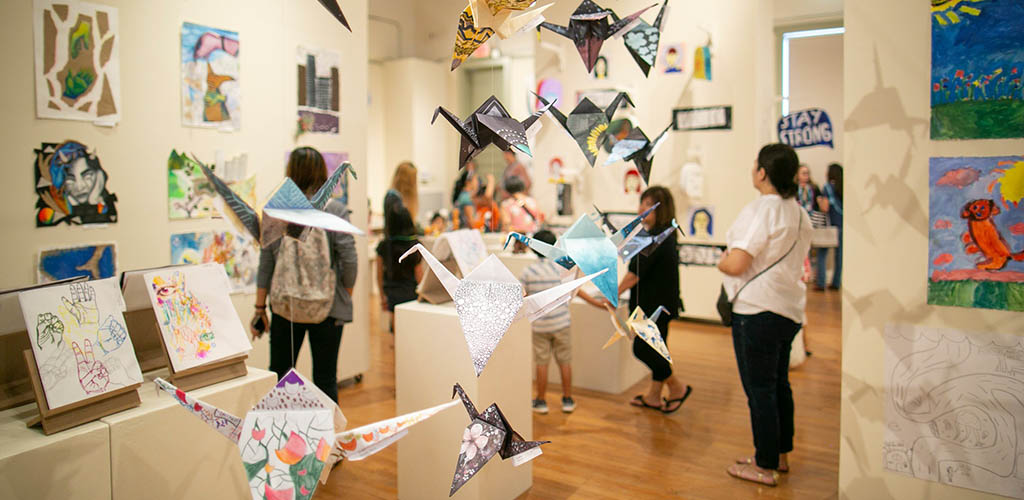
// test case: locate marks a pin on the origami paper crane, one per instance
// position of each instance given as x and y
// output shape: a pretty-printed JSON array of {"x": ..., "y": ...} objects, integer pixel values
[
  {"x": 490, "y": 298},
  {"x": 642, "y": 40},
  {"x": 487, "y": 434},
  {"x": 332, "y": 7},
  {"x": 586, "y": 245},
  {"x": 589, "y": 27},
  {"x": 482, "y": 19},
  {"x": 491, "y": 123},
  {"x": 287, "y": 205},
  {"x": 636, "y": 147},
  {"x": 640, "y": 325},
  {"x": 645, "y": 243},
  {"x": 295, "y": 434},
  {"x": 587, "y": 123}
]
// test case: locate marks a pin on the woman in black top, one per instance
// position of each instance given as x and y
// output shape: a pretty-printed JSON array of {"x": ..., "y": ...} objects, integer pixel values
[{"x": 398, "y": 280}]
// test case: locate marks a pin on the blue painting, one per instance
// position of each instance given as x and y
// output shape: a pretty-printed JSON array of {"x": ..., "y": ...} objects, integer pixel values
[
  {"x": 92, "y": 261},
  {"x": 210, "y": 91},
  {"x": 976, "y": 234},
  {"x": 977, "y": 61}
]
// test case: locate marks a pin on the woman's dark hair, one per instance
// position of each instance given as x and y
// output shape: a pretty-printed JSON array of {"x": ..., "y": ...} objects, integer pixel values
[
  {"x": 781, "y": 163},
  {"x": 437, "y": 215},
  {"x": 514, "y": 185},
  {"x": 460, "y": 184},
  {"x": 665, "y": 212},
  {"x": 399, "y": 221},
  {"x": 835, "y": 177},
  {"x": 545, "y": 236},
  {"x": 307, "y": 168}
]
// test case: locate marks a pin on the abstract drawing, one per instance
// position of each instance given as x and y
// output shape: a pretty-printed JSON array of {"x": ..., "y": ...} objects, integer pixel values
[
  {"x": 72, "y": 186},
  {"x": 976, "y": 232},
  {"x": 238, "y": 253},
  {"x": 210, "y": 87},
  {"x": 319, "y": 88},
  {"x": 191, "y": 196},
  {"x": 95, "y": 262},
  {"x": 77, "y": 62}
]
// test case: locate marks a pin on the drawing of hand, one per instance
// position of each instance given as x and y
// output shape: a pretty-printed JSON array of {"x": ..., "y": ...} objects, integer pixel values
[
  {"x": 49, "y": 329},
  {"x": 79, "y": 313},
  {"x": 111, "y": 335},
  {"x": 91, "y": 373}
]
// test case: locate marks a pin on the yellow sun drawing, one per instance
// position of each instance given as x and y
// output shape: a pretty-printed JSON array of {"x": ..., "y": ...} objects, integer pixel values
[
  {"x": 946, "y": 11},
  {"x": 592, "y": 139},
  {"x": 1011, "y": 183}
]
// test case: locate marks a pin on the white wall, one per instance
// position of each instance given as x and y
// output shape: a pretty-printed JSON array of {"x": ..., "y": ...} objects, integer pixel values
[
  {"x": 816, "y": 81},
  {"x": 788, "y": 12}
]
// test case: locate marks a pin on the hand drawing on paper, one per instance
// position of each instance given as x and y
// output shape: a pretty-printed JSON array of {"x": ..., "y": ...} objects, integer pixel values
[{"x": 185, "y": 316}]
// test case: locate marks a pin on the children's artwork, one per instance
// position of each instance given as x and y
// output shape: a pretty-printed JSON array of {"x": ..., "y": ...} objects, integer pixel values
[
  {"x": 79, "y": 340},
  {"x": 976, "y": 233},
  {"x": 77, "y": 61},
  {"x": 238, "y": 253},
  {"x": 703, "y": 118},
  {"x": 72, "y": 186},
  {"x": 588, "y": 124},
  {"x": 193, "y": 308},
  {"x": 210, "y": 87},
  {"x": 691, "y": 179},
  {"x": 319, "y": 89},
  {"x": 953, "y": 406},
  {"x": 191, "y": 196},
  {"x": 95, "y": 262},
  {"x": 977, "y": 60},
  {"x": 700, "y": 222},
  {"x": 490, "y": 124},
  {"x": 600, "y": 68},
  {"x": 673, "y": 58},
  {"x": 698, "y": 254},
  {"x": 702, "y": 62},
  {"x": 802, "y": 129}
]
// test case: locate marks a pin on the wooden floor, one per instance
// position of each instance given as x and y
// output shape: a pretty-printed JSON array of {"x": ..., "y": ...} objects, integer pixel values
[{"x": 608, "y": 449}]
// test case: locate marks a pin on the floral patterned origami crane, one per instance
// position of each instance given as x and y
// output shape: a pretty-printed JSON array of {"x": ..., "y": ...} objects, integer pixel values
[{"x": 640, "y": 325}]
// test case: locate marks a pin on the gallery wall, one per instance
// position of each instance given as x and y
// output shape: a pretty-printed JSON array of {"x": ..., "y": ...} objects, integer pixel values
[
  {"x": 135, "y": 151},
  {"x": 816, "y": 81},
  {"x": 887, "y": 149}
]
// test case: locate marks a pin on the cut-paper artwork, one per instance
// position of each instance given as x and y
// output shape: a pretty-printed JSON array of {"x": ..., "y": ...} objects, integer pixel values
[
  {"x": 72, "y": 186},
  {"x": 191, "y": 196},
  {"x": 210, "y": 87},
  {"x": 238, "y": 253},
  {"x": 977, "y": 61},
  {"x": 700, "y": 222},
  {"x": 673, "y": 58},
  {"x": 953, "y": 407},
  {"x": 976, "y": 232},
  {"x": 96, "y": 261},
  {"x": 77, "y": 61},
  {"x": 198, "y": 322},
  {"x": 319, "y": 88},
  {"x": 79, "y": 340}
]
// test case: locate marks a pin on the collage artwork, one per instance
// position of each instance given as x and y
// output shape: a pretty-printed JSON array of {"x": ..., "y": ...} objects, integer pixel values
[
  {"x": 191, "y": 196},
  {"x": 238, "y": 253}
]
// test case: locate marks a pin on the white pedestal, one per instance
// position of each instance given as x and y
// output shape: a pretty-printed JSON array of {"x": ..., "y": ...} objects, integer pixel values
[
  {"x": 159, "y": 450},
  {"x": 430, "y": 357},
  {"x": 699, "y": 286},
  {"x": 517, "y": 262},
  {"x": 70, "y": 464}
]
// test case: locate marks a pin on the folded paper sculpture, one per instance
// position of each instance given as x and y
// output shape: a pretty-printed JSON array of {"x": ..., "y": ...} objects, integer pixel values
[
  {"x": 640, "y": 150},
  {"x": 335, "y": 10},
  {"x": 587, "y": 123},
  {"x": 482, "y": 19},
  {"x": 642, "y": 41},
  {"x": 645, "y": 243},
  {"x": 589, "y": 27},
  {"x": 491, "y": 123},
  {"x": 639, "y": 325}
]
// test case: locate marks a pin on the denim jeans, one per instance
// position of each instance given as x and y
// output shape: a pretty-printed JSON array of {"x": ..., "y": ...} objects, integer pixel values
[
  {"x": 324, "y": 342},
  {"x": 762, "y": 343}
]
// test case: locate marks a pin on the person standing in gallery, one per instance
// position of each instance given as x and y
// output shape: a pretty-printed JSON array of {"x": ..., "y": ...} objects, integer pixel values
[
  {"x": 519, "y": 212},
  {"x": 398, "y": 280},
  {"x": 283, "y": 260},
  {"x": 404, "y": 191},
  {"x": 763, "y": 265},
  {"x": 515, "y": 168},
  {"x": 831, "y": 202}
]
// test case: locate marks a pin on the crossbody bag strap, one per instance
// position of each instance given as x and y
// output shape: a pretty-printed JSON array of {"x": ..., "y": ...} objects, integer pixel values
[{"x": 797, "y": 239}]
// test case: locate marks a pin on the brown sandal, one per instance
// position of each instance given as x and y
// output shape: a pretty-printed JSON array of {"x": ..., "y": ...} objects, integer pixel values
[
  {"x": 750, "y": 461},
  {"x": 747, "y": 472}
]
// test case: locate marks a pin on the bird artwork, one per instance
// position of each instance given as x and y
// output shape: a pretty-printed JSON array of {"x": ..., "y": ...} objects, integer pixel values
[
  {"x": 482, "y": 19},
  {"x": 491, "y": 123},
  {"x": 587, "y": 123},
  {"x": 642, "y": 243},
  {"x": 490, "y": 298},
  {"x": 642, "y": 41},
  {"x": 335, "y": 10},
  {"x": 589, "y": 28},
  {"x": 640, "y": 150},
  {"x": 489, "y": 433},
  {"x": 287, "y": 210},
  {"x": 639, "y": 325}
]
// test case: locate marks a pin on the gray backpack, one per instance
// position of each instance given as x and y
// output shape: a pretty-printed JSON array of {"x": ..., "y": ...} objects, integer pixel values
[{"x": 302, "y": 288}]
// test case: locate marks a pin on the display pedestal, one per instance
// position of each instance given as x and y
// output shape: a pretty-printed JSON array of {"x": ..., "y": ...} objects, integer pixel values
[
  {"x": 430, "y": 357},
  {"x": 517, "y": 262}
]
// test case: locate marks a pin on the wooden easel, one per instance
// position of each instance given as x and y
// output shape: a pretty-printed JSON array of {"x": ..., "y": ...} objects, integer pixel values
[
  {"x": 146, "y": 339},
  {"x": 15, "y": 383},
  {"x": 208, "y": 373},
  {"x": 78, "y": 413}
]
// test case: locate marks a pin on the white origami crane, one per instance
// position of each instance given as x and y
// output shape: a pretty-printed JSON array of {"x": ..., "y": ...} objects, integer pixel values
[
  {"x": 640, "y": 325},
  {"x": 490, "y": 298}
]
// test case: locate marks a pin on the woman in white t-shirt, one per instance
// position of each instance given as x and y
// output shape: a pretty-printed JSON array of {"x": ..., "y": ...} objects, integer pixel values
[{"x": 766, "y": 249}]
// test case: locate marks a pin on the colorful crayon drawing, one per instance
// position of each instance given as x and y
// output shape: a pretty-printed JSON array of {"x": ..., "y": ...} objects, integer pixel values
[
  {"x": 673, "y": 57},
  {"x": 94, "y": 261},
  {"x": 72, "y": 186},
  {"x": 190, "y": 194},
  {"x": 976, "y": 234},
  {"x": 238, "y": 254},
  {"x": 319, "y": 89},
  {"x": 977, "y": 60},
  {"x": 210, "y": 88},
  {"x": 184, "y": 317}
]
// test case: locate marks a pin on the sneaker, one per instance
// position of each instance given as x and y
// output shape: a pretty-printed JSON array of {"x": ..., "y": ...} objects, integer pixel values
[
  {"x": 568, "y": 405},
  {"x": 540, "y": 406}
]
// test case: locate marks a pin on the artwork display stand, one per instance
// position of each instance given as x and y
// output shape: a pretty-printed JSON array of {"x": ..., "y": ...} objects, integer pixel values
[
  {"x": 78, "y": 413},
  {"x": 15, "y": 386},
  {"x": 145, "y": 333},
  {"x": 208, "y": 373}
]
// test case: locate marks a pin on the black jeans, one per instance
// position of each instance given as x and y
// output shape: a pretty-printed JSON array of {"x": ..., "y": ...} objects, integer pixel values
[
  {"x": 762, "y": 343},
  {"x": 660, "y": 367},
  {"x": 324, "y": 342}
]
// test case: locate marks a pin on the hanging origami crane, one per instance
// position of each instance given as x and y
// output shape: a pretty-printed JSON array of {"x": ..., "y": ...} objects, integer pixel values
[
  {"x": 335, "y": 10},
  {"x": 490, "y": 298},
  {"x": 287, "y": 205},
  {"x": 587, "y": 123},
  {"x": 491, "y": 123},
  {"x": 482, "y": 19},
  {"x": 589, "y": 28},
  {"x": 488, "y": 434},
  {"x": 642, "y": 41},
  {"x": 294, "y": 435},
  {"x": 640, "y": 325},
  {"x": 585, "y": 245},
  {"x": 636, "y": 147}
]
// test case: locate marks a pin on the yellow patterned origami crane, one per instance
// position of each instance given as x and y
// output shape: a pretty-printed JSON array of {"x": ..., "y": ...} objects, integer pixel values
[{"x": 482, "y": 19}]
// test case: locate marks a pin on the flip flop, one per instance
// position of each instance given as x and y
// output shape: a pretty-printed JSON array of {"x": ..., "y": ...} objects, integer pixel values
[
  {"x": 639, "y": 402},
  {"x": 668, "y": 402},
  {"x": 750, "y": 461},
  {"x": 749, "y": 473}
]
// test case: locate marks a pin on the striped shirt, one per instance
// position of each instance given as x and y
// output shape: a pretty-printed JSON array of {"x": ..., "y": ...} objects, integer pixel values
[{"x": 538, "y": 277}]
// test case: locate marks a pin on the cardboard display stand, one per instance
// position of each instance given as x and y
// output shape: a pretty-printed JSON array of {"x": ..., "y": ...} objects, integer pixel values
[{"x": 460, "y": 252}]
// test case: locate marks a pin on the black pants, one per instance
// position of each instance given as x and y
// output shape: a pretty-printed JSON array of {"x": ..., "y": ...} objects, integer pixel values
[
  {"x": 324, "y": 342},
  {"x": 762, "y": 343},
  {"x": 660, "y": 367}
]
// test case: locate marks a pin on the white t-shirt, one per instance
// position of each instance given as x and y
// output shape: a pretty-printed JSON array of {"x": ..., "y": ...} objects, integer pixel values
[{"x": 766, "y": 229}]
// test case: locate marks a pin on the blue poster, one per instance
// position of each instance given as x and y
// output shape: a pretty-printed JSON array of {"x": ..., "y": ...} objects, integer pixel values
[
  {"x": 92, "y": 261},
  {"x": 810, "y": 127}
]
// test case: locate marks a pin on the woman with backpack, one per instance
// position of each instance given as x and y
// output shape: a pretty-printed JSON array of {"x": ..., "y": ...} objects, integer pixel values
[{"x": 309, "y": 285}]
